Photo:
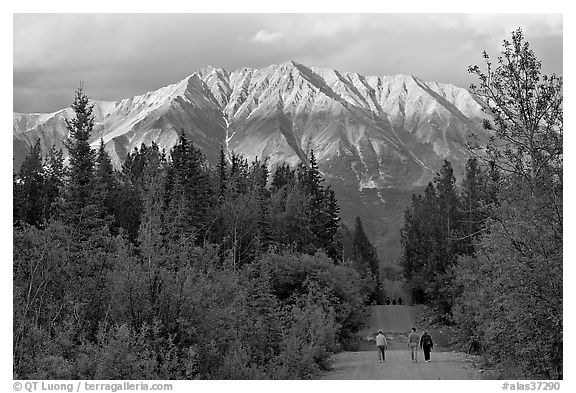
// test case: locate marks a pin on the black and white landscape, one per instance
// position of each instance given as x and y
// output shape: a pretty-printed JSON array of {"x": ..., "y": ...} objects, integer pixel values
[{"x": 299, "y": 209}]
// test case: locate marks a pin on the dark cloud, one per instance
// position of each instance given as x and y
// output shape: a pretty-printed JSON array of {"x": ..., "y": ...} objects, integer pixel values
[{"x": 120, "y": 55}]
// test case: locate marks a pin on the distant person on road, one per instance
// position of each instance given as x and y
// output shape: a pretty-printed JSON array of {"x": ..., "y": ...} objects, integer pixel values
[
  {"x": 399, "y": 300},
  {"x": 394, "y": 301},
  {"x": 413, "y": 340},
  {"x": 387, "y": 300},
  {"x": 426, "y": 344},
  {"x": 382, "y": 344}
]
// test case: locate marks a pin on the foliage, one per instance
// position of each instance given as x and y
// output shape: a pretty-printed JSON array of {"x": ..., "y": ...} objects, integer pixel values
[
  {"x": 500, "y": 280},
  {"x": 81, "y": 156},
  {"x": 439, "y": 227},
  {"x": 520, "y": 279},
  {"x": 527, "y": 112},
  {"x": 29, "y": 183},
  {"x": 173, "y": 269}
]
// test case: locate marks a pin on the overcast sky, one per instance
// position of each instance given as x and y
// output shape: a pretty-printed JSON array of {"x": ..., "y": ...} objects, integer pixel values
[{"x": 121, "y": 55}]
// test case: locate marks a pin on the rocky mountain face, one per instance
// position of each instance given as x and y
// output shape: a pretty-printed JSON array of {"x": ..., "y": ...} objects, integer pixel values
[{"x": 377, "y": 139}]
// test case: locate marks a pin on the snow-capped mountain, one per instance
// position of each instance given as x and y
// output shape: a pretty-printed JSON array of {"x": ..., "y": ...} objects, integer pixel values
[{"x": 377, "y": 139}]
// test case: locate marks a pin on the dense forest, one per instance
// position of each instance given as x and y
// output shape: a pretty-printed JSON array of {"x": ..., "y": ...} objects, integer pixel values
[
  {"x": 171, "y": 268},
  {"x": 486, "y": 254}
]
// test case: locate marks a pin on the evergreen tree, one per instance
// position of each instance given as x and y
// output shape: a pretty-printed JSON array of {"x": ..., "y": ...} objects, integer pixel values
[
  {"x": 55, "y": 173},
  {"x": 29, "y": 188},
  {"x": 222, "y": 177},
  {"x": 105, "y": 185},
  {"x": 448, "y": 211},
  {"x": 239, "y": 170},
  {"x": 136, "y": 161},
  {"x": 433, "y": 245},
  {"x": 91, "y": 244},
  {"x": 153, "y": 231},
  {"x": 81, "y": 156},
  {"x": 17, "y": 199},
  {"x": 312, "y": 179},
  {"x": 290, "y": 219},
  {"x": 188, "y": 191},
  {"x": 283, "y": 176},
  {"x": 344, "y": 244},
  {"x": 259, "y": 180},
  {"x": 323, "y": 208},
  {"x": 331, "y": 223},
  {"x": 139, "y": 166},
  {"x": 474, "y": 203},
  {"x": 411, "y": 240},
  {"x": 366, "y": 260}
]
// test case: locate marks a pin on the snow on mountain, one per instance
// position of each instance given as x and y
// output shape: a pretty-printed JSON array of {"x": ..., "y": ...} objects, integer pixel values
[{"x": 377, "y": 138}]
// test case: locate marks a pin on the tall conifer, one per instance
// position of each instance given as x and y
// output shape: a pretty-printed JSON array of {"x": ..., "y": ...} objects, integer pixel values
[
  {"x": 29, "y": 192},
  {"x": 81, "y": 155}
]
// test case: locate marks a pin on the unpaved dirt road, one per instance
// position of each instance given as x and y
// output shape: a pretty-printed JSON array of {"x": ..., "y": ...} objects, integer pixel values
[
  {"x": 364, "y": 365},
  {"x": 396, "y": 322}
]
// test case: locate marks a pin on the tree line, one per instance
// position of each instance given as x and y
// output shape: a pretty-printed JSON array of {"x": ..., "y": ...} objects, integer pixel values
[
  {"x": 443, "y": 225},
  {"x": 487, "y": 255},
  {"x": 171, "y": 268}
]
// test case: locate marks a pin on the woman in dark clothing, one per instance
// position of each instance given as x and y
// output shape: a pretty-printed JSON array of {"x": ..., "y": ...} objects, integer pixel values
[{"x": 426, "y": 344}]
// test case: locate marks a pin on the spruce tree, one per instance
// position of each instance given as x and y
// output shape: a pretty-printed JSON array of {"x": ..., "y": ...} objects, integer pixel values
[
  {"x": 330, "y": 224},
  {"x": 222, "y": 176},
  {"x": 447, "y": 197},
  {"x": 259, "y": 180},
  {"x": 188, "y": 190},
  {"x": 366, "y": 260},
  {"x": 81, "y": 156},
  {"x": 422, "y": 243},
  {"x": 30, "y": 188},
  {"x": 409, "y": 239},
  {"x": 310, "y": 181},
  {"x": 473, "y": 201},
  {"x": 105, "y": 185},
  {"x": 17, "y": 199},
  {"x": 134, "y": 178},
  {"x": 55, "y": 173},
  {"x": 283, "y": 176},
  {"x": 313, "y": 178}
]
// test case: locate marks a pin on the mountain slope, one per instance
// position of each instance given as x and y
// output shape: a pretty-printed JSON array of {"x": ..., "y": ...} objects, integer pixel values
[{"x": 377, "y": 139}]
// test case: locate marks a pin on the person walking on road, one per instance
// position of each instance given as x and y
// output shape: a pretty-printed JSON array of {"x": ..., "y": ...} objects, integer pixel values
[
  {"x": 413, "y": 339},
  {"x": 382, "y": 344},
  {"x": 426, "y": 344}
]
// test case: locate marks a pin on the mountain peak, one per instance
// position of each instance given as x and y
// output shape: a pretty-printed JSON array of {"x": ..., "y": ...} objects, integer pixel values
[
  {"x": 291, "y": 63},
  {"x": 375, "y": 137},
  {"x": 285, "y": 65},
  {"x": 285, "y": 93}
]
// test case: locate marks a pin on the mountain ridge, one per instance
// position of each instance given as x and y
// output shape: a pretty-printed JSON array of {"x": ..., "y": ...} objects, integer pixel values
[{"x": 376, "y": 138}]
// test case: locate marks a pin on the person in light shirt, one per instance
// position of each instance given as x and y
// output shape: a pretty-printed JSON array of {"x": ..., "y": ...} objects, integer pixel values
[
  {"x": 382, "y": 344},
  {"x": 413, "y": 340}
]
